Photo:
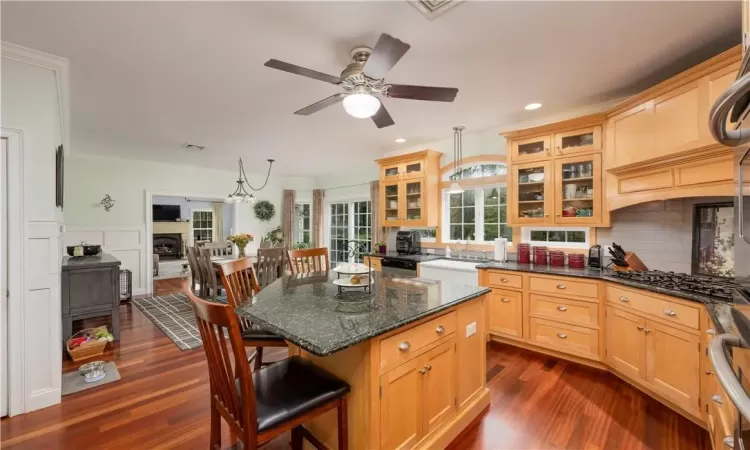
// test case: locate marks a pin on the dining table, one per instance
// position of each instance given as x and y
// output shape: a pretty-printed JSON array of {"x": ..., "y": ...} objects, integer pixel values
[{"x": 223, "y": 259}]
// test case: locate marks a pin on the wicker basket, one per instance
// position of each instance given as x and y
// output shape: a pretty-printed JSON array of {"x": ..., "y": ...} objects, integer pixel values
[{"x": 93, "y": 348}]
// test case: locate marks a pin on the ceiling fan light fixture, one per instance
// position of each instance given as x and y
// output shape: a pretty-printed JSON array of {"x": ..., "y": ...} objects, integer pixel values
[{"x": 361, "y": 106}]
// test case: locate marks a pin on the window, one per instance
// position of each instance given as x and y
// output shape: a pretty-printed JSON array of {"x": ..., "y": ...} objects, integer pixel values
[
  {"x": 349, "y": 221},
  {"x": 713, "y": 240},
  {"x": 480, "y": 171},
  {"x": 203, "y": 226},
  {"x": 478, "y": 214},
  {"x": 567, "y": 237},
  {"x": 302, "y": 223}
]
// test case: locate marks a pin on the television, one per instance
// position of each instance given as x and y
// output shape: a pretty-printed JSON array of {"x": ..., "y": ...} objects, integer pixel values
[{"x": 166, "y": 213}]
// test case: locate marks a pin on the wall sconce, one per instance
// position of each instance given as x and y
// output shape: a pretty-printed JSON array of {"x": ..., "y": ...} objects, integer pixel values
[{"x": 108, "y": 202}]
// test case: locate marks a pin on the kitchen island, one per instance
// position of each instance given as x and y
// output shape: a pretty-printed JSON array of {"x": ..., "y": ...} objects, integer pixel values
[{"x": 412, "y": 350}]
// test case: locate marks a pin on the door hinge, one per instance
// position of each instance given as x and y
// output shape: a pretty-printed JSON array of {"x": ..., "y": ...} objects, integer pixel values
[
  {"x": 455, "y": 401},
  {"x": 706, "y": 351},
  {"x": 381, "y": 391},
  {"x": 455, "y": 347}
]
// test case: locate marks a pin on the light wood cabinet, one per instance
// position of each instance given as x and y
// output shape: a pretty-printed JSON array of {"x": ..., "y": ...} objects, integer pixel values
[
  {"x": 578, "y": 190},
  {"x": 401, "y": 406},
  {"x": 531, "y": 149},
  {"x": 409, "y": 190},
  {"x": 417, "y": 396},
  {"x": 530, "y": 193},
  {"x": 505, "y": 314},
  {"x": 672, "y": 364},
  {"x": 626, "y": 343},
  {"x": 573, "y": 142}
]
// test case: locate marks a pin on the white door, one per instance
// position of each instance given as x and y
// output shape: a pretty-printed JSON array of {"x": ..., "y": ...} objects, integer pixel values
[{"x": 3, "y": 280}]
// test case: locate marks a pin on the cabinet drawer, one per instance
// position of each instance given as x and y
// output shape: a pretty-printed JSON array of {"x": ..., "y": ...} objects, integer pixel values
[
  {"x": 505, "y": 312},
  {"x": 565, "y": 338},
  {"x": 664, "y": 309},
  {"x": 574, "y": 311},
  {"x": 415, "y": 338},
  {"x": 505, "y": 280},
  {"x": 566, "y": 286}
]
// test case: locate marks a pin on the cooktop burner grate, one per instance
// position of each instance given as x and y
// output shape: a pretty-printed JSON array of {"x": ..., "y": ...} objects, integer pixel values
[{"x": 719, "y": 288}]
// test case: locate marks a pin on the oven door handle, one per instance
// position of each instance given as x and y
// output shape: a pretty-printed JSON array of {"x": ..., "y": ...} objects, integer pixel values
[{"x": 725, "y": 373}]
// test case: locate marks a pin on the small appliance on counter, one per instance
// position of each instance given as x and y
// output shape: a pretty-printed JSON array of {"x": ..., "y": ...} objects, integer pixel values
[
  {"x": 595, "y": 256},
  {"x": 408, "y": 242},
  {"x": 501, "y": 249}
]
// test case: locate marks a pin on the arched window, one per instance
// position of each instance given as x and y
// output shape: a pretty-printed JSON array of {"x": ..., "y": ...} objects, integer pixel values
[{"x": 480, "y": 170}]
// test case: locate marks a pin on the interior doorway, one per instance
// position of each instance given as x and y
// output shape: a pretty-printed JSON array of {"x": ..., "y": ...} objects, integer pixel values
[{"x": 3, "y": 277}]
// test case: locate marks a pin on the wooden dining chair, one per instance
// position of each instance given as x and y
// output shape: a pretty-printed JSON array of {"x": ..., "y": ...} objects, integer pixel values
[
  {"x": 271, "y": 265},
  {"x": 195, "y": 271},
  {"x": 211, "y": 283},
  {"x": 219, "y": 248},
  {"x": 241, "y": 284},
  {"x": 261, "y": 405},
  {"x": 308, "y": 260}
]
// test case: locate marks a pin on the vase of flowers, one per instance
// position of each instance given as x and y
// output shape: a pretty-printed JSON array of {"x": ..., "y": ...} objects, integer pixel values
[{"x": 241, "y": 240}]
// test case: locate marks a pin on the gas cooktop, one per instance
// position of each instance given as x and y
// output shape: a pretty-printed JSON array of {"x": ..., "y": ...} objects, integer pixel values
[{"x": 719, "y": 288}]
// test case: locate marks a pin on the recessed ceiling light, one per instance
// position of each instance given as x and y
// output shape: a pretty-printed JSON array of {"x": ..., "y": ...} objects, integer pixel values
[
  {"x": 533, "y": 106},
  {"x": 400, "y": 140}
]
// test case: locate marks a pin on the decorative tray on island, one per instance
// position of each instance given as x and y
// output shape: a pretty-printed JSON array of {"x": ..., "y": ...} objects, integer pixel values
[{"x": 352, "y": 269}]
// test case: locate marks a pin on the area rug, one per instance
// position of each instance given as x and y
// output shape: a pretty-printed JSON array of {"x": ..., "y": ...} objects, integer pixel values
[
  {"x": 72, "y": 382},
  {"x": 174, "y": 316}
]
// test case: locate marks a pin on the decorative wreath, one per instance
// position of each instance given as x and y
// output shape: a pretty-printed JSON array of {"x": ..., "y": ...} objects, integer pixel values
[{"x": 264, "y": 210}]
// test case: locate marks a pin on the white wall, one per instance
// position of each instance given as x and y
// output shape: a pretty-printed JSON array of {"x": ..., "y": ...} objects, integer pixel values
[
  {"x": 89, "y": 178},
  {"x": 32, "y": 112}
]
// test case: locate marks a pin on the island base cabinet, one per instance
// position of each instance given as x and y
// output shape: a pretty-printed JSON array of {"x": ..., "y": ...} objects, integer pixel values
[{"x": 438, "y": 386}]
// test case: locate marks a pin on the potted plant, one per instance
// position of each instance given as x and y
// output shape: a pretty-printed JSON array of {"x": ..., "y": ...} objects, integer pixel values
[
  {"x": 241, "y": 240},
  {"x": 381, "y": 247}
]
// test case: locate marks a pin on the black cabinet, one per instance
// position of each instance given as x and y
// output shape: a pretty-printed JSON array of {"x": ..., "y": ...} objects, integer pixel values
[{"x": 90, "y": 288}]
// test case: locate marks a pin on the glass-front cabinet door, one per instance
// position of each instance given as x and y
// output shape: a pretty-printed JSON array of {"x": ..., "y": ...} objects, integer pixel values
[
  {"x": 578, "y": 141},
  {"x": 578, "y": 190},
  {"x": 413, "y": 169},
  {"x": 413, "y": 203},
  {"x": 390, "y": 204},
  {"x": 531, "y": 201},
  {"x": 531, "y": 149},
  {"x": 390, "y": 172}
]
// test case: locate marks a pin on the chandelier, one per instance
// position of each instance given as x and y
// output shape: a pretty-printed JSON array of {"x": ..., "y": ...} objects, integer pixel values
[{"x": 240, "y": 194}]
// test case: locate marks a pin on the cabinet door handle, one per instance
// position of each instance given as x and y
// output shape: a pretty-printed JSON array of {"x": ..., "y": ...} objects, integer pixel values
[
  {"x": 669, "y": 312},
  {"x": 624, "y": 299},
  {"x": 557, "y": 215},
  {"x": 647, "y": 330},
  {"x": 561, "y": 286},
  {"x": 711, "y": 331},
  {"x": 504, "y": 300},
  {"x": 640, "y": 328},
  {"x": 562, "y": 308},
  {"x": 504, "y": 280},
  {"x": 562, "y": 335},
  {"x": 547, "y": 150},
  {"x": 708, "y": 372},
  {"x": 717, "y": 399},
  {"x": 404, "y": 346},
  {"x": 440, "y": 329},
  {"x": 559, "y": 152},
  {"x": 428, "y": 367},
  {"x": 423, "y": 371}
]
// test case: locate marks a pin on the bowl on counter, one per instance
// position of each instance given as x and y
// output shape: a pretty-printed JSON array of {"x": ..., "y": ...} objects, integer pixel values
[{"x": 86, "y": 249}]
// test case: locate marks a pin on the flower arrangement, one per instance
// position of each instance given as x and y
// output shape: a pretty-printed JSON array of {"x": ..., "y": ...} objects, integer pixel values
[
  {"x": 381, "y": 247},
  {"x": 241, "y": 240}
]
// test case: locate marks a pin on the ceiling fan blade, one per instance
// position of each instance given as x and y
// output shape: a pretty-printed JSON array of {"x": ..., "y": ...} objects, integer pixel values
[
  {"x": 297, "y": 70},
  {"x": 325, "y": 103},
  {"x": 381, "y": 118},
  {"x": 386, "y": 53},
  {"x": 429, "y": 93}
]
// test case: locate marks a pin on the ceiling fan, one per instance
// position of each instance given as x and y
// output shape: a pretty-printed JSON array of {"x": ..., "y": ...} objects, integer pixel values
[{"x": 363, "y": 79}]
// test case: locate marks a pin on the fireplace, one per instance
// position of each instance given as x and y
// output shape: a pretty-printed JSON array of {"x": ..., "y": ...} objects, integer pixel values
[{"x": 168, "y": 245}]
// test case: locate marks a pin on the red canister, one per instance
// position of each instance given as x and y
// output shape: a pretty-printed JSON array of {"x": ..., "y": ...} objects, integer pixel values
[
  {"x": 576, "y": 261},
  {"x": 557, "y": 258},
  {"x": 540, "y": 256},
  {"x": 524, "y": 253}
]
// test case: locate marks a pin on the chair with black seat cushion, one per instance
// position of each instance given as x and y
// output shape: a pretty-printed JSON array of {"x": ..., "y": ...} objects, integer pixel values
[
  {"x": 270, "y": 401},
  {"x": 241, "y": 284}
]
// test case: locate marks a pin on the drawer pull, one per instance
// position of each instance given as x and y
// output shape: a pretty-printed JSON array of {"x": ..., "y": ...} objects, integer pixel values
[
  {"x": 717, "y": 399},
  {"x": 711, "y": 332},
  {"x": 640, "y": 328},
  {"x": 562, "y": 335},
  {"x": 404, "y": 346},
  {"x": 624, "y": 299},
  {"x": 423, "y": 371},
  {"x": 440, "y": 329},
  {"x": 428, "y": 367},
  {"x": 504, "y": 300},
  {"x": 504, "y": 280},
  {"x": 708, "y": 372},
  {"x": 669, "y": 312},
  {"x": 561, "y": 286},
  {"x": 562, "y": 308}
]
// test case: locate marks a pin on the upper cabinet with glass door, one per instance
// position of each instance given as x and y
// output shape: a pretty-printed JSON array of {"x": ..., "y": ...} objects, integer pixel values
[
  {"x": 531, "y": 193},
  {"x": 578, "y": 141},
  {"x": 531, "y": 149},
  {"x": 409, "y": 189},
  {"x": 578, "y": 190}
]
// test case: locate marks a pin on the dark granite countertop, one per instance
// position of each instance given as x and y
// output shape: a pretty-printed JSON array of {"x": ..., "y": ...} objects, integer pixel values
[
  {"x": 718, "y": 310},
  {"x": 85, "y": 262},
  {"x": 309, "y": 311}
]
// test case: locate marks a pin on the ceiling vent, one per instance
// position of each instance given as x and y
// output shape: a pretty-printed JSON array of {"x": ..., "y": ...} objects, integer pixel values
[
  {"x": 432, "y": 9},
  {"x": 193, "y": 146}
]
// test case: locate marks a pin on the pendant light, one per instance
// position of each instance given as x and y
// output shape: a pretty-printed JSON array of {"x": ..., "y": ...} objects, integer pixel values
[
  {"x": 458, "y": 156},
  {"x": 240, "y": 194}
]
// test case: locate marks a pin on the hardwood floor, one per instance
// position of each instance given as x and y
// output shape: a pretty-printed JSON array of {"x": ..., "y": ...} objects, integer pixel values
[{"x": 162, "y": 402}]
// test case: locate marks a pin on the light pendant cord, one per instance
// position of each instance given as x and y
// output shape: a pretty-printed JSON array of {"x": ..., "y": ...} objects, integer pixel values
[{"x": 242, "y": 174}]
